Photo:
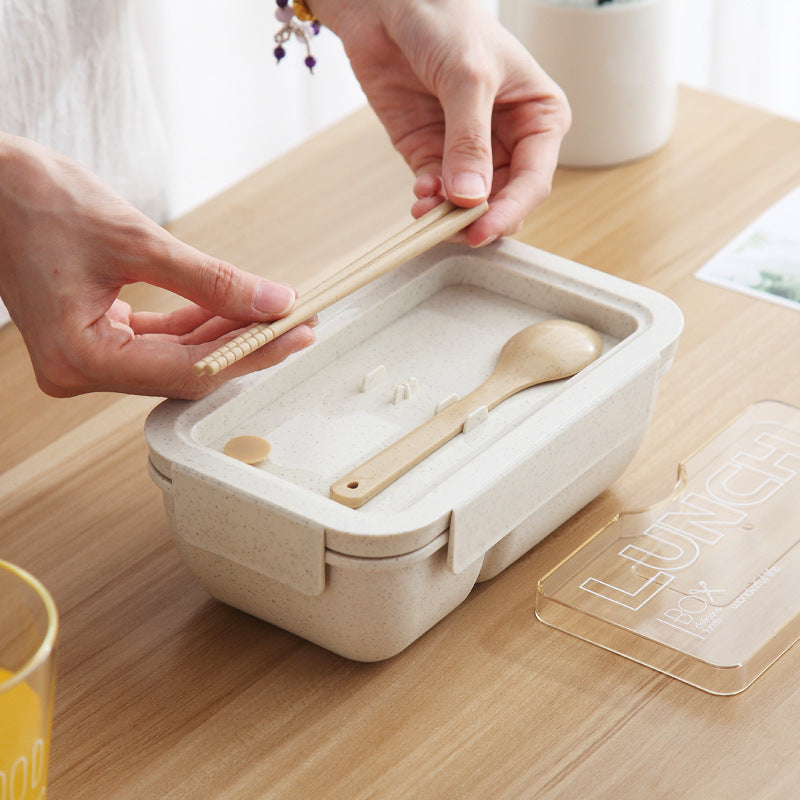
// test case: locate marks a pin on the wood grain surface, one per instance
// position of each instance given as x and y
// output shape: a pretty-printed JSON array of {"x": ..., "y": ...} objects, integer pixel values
[{"x": 165, "y": 693}]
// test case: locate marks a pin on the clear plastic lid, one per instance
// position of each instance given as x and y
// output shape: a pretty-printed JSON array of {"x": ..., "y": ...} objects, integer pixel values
[{"x": 705, "y": 586}]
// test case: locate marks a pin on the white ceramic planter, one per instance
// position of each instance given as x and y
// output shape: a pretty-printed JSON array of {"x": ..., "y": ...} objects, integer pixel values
[{"x": 617, "y": 65}]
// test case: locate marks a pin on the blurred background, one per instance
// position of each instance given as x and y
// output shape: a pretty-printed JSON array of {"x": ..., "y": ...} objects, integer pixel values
[
  {"x": 226, "y": 108},
  {"x": 173, "y": 101}
]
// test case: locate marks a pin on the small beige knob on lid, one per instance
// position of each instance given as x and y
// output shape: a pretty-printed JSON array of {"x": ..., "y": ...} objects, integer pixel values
[{"x": 250, "y": 449}]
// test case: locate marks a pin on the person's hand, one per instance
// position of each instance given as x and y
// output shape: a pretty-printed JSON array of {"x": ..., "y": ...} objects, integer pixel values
[
  {"x": 468, "y": 108},
  {"x": 68, "y": 244}
]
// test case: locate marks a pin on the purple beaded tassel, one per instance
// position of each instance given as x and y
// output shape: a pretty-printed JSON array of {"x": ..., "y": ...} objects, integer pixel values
[{"x": 297, "y": 21}]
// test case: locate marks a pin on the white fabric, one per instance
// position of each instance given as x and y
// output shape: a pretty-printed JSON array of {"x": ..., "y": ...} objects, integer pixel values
[{"x": 72, "y": 77}]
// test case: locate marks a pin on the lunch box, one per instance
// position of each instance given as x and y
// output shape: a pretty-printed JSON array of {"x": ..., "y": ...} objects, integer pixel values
[{"x": 366, "y": 582}]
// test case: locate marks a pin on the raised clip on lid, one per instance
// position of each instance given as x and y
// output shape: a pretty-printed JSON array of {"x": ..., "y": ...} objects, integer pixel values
[{"x": 704, "y": 587}]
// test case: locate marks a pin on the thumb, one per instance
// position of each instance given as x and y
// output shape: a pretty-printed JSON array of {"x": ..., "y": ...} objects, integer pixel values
[
  {"x": 216, "y": 285},
  {"x": 467, "y": 161}
]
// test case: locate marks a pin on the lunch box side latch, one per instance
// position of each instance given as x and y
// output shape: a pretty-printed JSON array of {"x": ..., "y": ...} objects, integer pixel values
[
  {"x": 562, "y": 473},
  {"x": 247, "y": 530}
]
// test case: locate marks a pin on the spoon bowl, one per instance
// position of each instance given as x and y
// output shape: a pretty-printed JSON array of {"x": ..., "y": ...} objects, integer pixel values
[{"x": 549, "y": 351}]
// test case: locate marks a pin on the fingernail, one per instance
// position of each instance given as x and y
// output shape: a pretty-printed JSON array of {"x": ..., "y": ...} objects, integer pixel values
[
  {"x": 469, "y": 186},
  {"x": 488, "y": 240},
  {"x": 273, "y": 298}
]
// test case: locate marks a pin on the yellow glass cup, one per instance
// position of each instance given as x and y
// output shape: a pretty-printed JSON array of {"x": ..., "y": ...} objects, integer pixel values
[{"x": 28, "y": 632}]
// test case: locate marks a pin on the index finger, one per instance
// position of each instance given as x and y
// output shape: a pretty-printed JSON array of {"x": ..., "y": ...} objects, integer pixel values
[{"x": 528, "y": 183}]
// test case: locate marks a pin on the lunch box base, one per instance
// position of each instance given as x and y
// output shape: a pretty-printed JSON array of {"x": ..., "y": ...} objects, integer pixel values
[
  {"x": 373, "y": 608},
  {"x": 370, "y": 610}
]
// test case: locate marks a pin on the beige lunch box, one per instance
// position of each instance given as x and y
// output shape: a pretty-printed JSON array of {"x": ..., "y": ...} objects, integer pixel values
[{"x": 366, "y": 582}]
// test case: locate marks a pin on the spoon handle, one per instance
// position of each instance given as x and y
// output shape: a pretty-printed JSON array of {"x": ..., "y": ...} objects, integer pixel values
[{"x": 374, "y": 475}]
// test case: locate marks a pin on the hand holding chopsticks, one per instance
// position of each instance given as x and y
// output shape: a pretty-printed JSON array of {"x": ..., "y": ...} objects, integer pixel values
[{"x": 436, "y": 226}]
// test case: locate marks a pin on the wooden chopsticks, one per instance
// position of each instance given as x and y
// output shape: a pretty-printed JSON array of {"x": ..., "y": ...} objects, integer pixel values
[{"x": 437, "y": 225}]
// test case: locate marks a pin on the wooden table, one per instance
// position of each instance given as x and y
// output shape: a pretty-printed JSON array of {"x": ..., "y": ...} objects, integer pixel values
[{"x": 163, "y": 692}]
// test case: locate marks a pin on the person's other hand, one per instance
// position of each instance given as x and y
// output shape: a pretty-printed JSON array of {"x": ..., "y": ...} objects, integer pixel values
[
  {"x": 68, "y": 244},
  {"x": 465, "y": 104}
]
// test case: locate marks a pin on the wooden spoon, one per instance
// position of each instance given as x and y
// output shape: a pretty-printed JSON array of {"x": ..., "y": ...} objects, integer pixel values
[{"x": 545, "y": 351}]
